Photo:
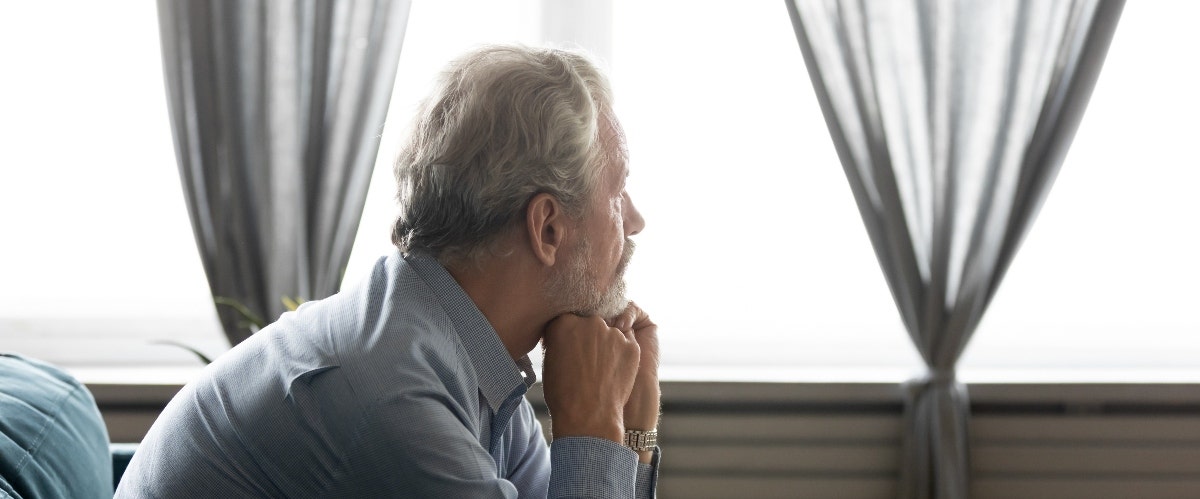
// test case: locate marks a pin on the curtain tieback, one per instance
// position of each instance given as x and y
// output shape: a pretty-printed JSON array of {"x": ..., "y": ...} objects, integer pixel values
[{"x": 931, "y": 379}]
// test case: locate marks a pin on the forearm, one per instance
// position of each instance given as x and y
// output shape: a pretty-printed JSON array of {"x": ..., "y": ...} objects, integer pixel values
[
  {"x": 644, "y": 416},
  {"x": 642, "y": 410}
]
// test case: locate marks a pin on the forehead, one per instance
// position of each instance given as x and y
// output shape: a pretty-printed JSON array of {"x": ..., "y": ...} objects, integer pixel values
[{"x": 616, "y": 150}]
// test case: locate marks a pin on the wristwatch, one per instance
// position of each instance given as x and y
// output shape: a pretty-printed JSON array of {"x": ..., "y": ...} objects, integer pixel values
[{"x": 641, "y": 440}]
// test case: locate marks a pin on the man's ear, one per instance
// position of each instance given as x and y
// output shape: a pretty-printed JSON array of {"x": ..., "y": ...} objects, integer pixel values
[{"x": 546, "y": 225}]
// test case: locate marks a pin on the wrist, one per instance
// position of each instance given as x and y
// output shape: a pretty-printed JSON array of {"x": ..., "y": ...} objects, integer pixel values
[
  {"x": 606, "y": 428},
  {"x": 642, "y": 410},
  {"x": 642, "y": 442},
  {"x": 642, "y": 424}
]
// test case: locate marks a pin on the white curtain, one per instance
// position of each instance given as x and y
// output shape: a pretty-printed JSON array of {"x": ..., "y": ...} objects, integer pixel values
[
  {"x": 277, "y": 108},
  {"x": 951, "y": 119}
]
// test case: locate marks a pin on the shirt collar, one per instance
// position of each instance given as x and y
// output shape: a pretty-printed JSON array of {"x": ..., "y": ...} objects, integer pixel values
[{"x": 499, "y": 376}]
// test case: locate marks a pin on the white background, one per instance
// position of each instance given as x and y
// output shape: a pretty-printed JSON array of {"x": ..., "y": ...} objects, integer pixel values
[{"x": 754, "y": 260}]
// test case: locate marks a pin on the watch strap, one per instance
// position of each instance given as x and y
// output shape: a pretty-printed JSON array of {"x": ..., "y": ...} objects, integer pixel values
[{"x": 641, "y": 440}]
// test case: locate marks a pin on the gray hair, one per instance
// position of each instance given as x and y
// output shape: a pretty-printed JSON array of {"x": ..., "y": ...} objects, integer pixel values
[{"x": 503, "y": 124}]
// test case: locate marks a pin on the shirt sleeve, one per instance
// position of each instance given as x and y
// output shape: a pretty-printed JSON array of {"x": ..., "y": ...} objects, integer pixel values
[
  {"x": 647, "y": 477},
  {"x": 573, "y": 478},
  {"x": 591, "y": 467},
  {"x": 416, "y": 445}
]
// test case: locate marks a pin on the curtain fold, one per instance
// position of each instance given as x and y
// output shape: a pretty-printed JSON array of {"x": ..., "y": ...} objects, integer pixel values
[
  {"x": 276, "y": 108},
  {"x": 951, "y": 119}
]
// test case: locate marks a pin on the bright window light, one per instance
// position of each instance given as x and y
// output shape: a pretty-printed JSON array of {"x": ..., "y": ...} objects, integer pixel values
[
  {"x": 754, "y": 260},
  {"x": 1106, "y": 279},
  {"x": 98, "y": 257}
]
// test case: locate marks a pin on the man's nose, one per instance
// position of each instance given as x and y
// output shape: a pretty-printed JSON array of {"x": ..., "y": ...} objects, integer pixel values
[{"x": 634, "y": 222}]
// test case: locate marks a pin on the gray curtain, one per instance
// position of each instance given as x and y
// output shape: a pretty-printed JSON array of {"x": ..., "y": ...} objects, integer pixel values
[
  {"x": 277, "y": 107},
  {"x": 951, "y": 120}
]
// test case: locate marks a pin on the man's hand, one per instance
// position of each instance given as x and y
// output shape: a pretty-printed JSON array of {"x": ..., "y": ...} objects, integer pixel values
[
  {"x": 641, "y": 411},
  {"x": 588, "y": 373}
]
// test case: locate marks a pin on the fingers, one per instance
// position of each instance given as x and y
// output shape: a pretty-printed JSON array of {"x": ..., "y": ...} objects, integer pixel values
[
  {"x": 590, "y": 336},
  {"x": 623, "y": 320},
  {"x": 578, "y": 323},
  {"x": 632, "y": 316},
  {"x": 641, "y": 320},
  {"x": 641, "y": 410},
  {"x": 627, "y": 333}
]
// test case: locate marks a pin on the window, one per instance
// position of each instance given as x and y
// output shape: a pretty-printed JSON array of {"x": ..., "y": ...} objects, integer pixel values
[
  {"x": 98, "y": 257},
  {"x": 754, "y": 260},
  {"x": 754, "y": 253},
  {"x": 1104, "y": 287},
  {"x": 98, "y": 261}
]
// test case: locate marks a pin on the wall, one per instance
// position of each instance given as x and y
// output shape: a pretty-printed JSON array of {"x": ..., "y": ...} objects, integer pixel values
[{"x": 842, "y": 440}]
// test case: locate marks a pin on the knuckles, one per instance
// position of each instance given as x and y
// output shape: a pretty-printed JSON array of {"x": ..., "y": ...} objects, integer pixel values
[{"x": 570, "y": 332}]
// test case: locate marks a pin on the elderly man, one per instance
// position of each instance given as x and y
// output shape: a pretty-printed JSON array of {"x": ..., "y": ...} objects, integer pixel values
[{"x": 515, "y": 229}]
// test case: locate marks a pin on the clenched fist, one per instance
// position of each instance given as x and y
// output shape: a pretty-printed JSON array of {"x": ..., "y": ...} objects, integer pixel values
[
  {"x": 641, "y": 410},
  {"x": 588, "y": 375}
]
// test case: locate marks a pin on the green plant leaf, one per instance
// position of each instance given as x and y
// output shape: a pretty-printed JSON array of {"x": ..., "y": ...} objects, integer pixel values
[
  {"x": 248, "y": 316},
  {"x": 292, "y": 303},
  {"x": 203, "y": 358}
]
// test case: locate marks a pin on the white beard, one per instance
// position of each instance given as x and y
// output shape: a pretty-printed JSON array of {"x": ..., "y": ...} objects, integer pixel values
[{"x": 576, "y": 289}]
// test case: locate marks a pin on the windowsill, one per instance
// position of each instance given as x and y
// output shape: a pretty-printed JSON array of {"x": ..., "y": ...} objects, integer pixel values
[{"x": 128, "y": 376}]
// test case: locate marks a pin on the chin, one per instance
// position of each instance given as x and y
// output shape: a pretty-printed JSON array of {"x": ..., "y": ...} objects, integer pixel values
[
  {"x": 612, "y": 303},
  {"x": 580, "y": 292}
]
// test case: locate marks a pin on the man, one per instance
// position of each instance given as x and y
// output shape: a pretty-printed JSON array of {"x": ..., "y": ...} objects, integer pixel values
[{"x": 515, "y": 229}]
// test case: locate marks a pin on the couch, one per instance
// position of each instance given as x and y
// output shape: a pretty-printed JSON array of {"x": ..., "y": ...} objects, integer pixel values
[{"x": 53, "y": 442}]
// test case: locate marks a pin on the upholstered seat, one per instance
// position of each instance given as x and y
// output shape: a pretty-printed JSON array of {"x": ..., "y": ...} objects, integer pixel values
[{"x": 53, "y": 442}]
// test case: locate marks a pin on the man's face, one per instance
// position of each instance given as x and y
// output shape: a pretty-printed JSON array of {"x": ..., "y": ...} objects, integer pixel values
[{"x": 593, "y": 282}]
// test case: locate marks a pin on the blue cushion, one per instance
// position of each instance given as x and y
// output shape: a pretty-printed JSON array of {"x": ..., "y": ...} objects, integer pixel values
[{"x": 52, "y": 439}]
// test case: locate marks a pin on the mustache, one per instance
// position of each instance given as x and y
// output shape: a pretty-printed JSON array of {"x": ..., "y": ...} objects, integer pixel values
[{"x": 626, "y": 256}]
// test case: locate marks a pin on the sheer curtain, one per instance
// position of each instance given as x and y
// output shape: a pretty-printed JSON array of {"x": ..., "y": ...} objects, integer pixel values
[
  {"x": 277, "y": 109},
  {"x": 951, "y": 119}
]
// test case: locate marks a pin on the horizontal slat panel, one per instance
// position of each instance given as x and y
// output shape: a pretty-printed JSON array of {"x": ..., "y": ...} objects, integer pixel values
[
  {"x": 794, "y": 451},
  {"x": 735, "y": 459},
  {"x": 1065, "y": 458},
  {"x": 692, "y": 427},
  {"x": 732, "y": 394},
  {"x": 128, "y": 426},
  {"x": 1026, "y": 488},
  {"x": 1110, "y": 428},
  {"x": 702, "y": 427},
  {"x": 1091, "y": 394},
  {"x": 700, "y": 487}
]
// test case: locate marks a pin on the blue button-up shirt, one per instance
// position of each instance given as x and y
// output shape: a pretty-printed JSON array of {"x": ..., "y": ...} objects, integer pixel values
[{"x": 397, "y": 387}]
